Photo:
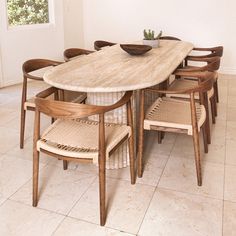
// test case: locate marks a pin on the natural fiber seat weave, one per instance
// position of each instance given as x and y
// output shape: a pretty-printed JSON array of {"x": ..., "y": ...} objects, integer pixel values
[
  {"x": 79, "y": 138},
  {"x": 172, "y": 113}
]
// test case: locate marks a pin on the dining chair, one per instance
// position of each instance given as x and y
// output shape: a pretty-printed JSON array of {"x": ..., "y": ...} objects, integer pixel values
[
  {"x": 212, "y": 64},
  {"x": 73, "y": 137},
  {"x": 178, "y": 116},
  {"x": 166, "y": 37},
  {"x": 212, "y": 52},
  {"x": 99, "y": 44},
  {"x": 72, "y": 53},
  {"x": 28, "y": 68}
]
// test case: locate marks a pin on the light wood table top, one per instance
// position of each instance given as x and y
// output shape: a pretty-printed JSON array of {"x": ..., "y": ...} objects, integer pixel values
[{"x": 114, "y": 70}]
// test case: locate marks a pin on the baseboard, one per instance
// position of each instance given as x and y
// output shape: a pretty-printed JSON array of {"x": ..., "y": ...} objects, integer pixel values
[
  {"x": 9, "y": 83},
  {"x": 228, "y": 70}
]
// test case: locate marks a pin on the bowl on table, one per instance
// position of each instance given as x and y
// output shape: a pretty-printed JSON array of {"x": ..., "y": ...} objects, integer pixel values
[{"x": 135, "y": 49}]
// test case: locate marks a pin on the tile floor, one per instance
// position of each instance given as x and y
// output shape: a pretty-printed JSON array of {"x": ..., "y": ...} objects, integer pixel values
[{"x": 166, "y": 201}]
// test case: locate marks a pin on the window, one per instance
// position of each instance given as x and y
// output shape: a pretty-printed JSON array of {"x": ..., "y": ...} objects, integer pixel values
[{"x": 26, "y": 12}]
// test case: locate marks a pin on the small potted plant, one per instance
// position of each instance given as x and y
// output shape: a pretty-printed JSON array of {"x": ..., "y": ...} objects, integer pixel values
[{"x": 150, "y": 39}]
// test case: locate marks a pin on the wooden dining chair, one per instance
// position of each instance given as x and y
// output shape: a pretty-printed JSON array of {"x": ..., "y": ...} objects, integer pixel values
[
  {"x": 28, "y": 68},
  {"x": 72, "y": 53},
  {"x": 169, "y": 38},
  {"x": 212, "y": 64},
  {"x": 174, "y": 115},
  {"x": 212, "y": 52},
  {"x": 99, "y": 44},
  {"x": 73, "y": 137}
]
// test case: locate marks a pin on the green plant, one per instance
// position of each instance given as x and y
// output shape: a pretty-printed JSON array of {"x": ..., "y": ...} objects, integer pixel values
[
  {"x": 24, "y": 12},
  {"x": 150, "y": 35}
]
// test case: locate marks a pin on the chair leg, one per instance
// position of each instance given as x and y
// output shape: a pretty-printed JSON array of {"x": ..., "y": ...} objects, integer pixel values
[
  {"x": 204, "y": 134},
  {"x": 131, "y": 142},
  {"x": 197, "y": 157},
  {"x": 65, "y": 165},
  {"x": 102, "y": 189},
  {"x": 102, "y": 170},
  {"x": 22, "y": 128},
  {"x": 215, "y": 105},
  {"x": 131, "y": 159},
  {"x": 216, "y": 91},
  {"x": 141, "y": 135},
  {"x": 212, "y": 110},
  {"x": 207, "y": 122},
  {"x": 35, "y": 177},
  {"x": 159, "y": 137},
  {"x": 196, "y": 139}
]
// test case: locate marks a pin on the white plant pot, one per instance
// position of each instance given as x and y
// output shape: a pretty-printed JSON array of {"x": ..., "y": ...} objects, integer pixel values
[{"x": 152, "y": 43}]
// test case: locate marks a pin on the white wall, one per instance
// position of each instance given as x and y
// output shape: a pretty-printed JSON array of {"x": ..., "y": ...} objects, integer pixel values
[
  {"x": 203, "y": 22},
  {"x": 21, "y": 43},
  {"x": 73, "y": 23}
]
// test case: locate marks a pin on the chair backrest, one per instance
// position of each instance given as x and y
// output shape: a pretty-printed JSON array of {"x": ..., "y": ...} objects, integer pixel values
[
  {"x": 214, "y": 51},
  {"x": 69, "y": 110},
  {"x": 205, "y": 79},
  {"x": 99, "y": 44},
  {"x": 74, "y": 52},
  {"x": 213, "y": 64},
  {"x": 36, "y": 64},
  {"x": 170, "y": 38}
]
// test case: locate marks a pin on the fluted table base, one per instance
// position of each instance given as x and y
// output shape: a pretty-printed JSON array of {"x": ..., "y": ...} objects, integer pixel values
[{"x": 120, "y": 158}]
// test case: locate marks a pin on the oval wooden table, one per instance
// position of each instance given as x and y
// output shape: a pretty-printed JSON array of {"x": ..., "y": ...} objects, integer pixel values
[{"x": 106, "y": 74}]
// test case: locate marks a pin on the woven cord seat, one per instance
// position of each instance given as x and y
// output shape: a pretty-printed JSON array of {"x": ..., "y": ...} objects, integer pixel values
[
  {"x": 79, "y": 138},
  {"x": 172, "y": 113}
]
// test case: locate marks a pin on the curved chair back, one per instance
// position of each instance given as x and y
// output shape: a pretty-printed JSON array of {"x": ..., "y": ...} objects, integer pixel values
[
  {"x": 99, "y": 44},
  {"x": 74, "y": 52},
  {"x": 69, "y": 110},
  {"x": 36, "y": 64},
  {"x": 214, "y": 51},
  {"x": 170, "y": 38}
]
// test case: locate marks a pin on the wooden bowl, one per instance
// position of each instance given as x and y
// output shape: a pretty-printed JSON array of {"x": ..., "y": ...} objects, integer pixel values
[{"x": 135, "y": 49}]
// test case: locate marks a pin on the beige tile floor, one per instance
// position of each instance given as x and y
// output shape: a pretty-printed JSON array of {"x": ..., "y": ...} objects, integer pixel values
[{"x": 166, "y": 201}]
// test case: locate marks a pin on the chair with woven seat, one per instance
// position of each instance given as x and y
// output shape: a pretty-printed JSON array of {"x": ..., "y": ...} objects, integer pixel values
[
  {"x": 73, "y": 137},
  {"x": 173, "y": 115},
  {"x": 29, "y": 67},
  {"x": 213, "y": 52},
  {"x": 213, "y": 64},
  {"x": 99, "y": 44},
  {"x": 72, "y": 53}
]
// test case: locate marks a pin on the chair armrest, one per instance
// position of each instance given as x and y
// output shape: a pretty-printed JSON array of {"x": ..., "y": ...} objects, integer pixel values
[{"x": 47, "y": 92}]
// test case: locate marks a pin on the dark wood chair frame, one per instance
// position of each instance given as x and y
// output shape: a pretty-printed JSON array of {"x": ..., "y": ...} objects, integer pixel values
[
  {"x": 99, "y": 44},
  {"x": 213, "y": 64},
  {"x": 205, "y": 84},
  {"x": 74, "y": 52},
  {"x": 213, "y": 52},
  {"x": 28, "y": 67},
  {"x": 66, "y": 110}
]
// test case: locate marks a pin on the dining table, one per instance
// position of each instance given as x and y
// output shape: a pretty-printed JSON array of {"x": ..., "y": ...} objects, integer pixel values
[{"x": 106, "y": 74}]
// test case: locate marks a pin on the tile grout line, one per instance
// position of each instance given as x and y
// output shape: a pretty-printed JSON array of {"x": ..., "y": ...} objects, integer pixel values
[{"x": 157, "y": 185}]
